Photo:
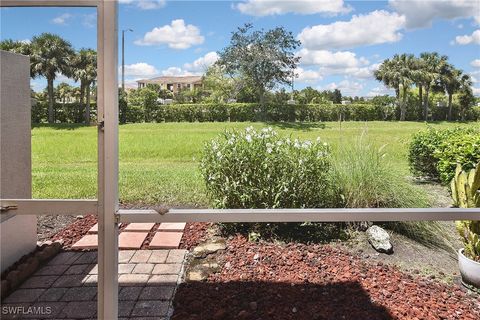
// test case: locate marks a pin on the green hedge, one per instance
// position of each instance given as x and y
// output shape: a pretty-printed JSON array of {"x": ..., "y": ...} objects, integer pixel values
[
  {"x": 241, "y": 112},
  {"x": 63, "y": 113},
  {"x": 436, "y": 153}
]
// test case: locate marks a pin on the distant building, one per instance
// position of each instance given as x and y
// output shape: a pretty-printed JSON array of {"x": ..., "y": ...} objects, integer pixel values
[
  {"x": 345, "y": 102},
  {"x": 174, "y": 84}
]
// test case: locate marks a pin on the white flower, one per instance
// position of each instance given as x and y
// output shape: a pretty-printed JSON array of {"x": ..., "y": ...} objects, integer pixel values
[
  {"x": 269, "y": 150},
  {"x": 248, "y": 129},
  {"x": 248, "y": 138},
  {"x": 318, "y": 139},
  {"x": 279, "y": 142},
  {"x": 325, "y": 144},
  {"x": 219, "y": 154},
  {"x": 296, "y": 144},
  {"x": 306, "y": 144}
]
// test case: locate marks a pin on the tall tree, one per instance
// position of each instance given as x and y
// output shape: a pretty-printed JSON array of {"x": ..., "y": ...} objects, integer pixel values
[
  {"x": 21, "y": 47},
  {"x": 85, "y": 71},
  {"x": 388, "y": 73},
  {"x": 433, "y": 63},
  {"x": 264, "y": 58},
  {"x": 465, "y": 96},
  {"x": 450, "y": 80},
  {"x": 403, "y": 65},
  {"x": 49, "y": 56},
  {"x": 64, "y": 92}
]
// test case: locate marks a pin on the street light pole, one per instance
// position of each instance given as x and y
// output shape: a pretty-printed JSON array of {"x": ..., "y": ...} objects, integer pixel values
[{"x": 123, "y": 58}]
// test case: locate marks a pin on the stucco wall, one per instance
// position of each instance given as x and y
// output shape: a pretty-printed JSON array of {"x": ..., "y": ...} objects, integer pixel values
[{"x": 18, "y": 234}]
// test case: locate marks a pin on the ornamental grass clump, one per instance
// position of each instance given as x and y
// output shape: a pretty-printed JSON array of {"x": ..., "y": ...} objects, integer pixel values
[{"x": 259, "y": 169}]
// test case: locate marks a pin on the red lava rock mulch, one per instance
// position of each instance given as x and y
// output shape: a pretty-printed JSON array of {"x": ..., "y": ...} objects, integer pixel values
[
  {"x": 75, "y": 231},
  {"x": 194, "y": 234},
  {"x": 297, "y": 281}
]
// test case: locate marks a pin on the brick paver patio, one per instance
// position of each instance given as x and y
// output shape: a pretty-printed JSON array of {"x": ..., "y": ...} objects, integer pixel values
[
  {"x": 167, "y": 236},
  {"x": 66, "y": 288}
]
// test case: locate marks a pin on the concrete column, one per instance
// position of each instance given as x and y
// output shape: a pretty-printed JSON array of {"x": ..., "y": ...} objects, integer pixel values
[{"x": 18, "y": 234}]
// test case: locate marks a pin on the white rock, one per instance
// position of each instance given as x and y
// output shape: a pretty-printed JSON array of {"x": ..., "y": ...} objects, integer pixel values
[{"x": 379, "y": 239}]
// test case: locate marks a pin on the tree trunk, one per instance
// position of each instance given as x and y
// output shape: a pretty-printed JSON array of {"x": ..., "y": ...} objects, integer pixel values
[
  {"x": 420, "y": 95},
  {"x": 425, "y": 107},
  {"x": 450, "y": 106},
  {"x": 80, "y": 107},
  {"x": 87, "y": 106},
  {"x": 403, "y": 106},
  {"x": 50, "y": 100},
  {"x": 397, "y": 101}
]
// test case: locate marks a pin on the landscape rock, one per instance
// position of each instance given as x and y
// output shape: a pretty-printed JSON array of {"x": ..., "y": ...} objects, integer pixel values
[
  {"x": 209, "y": 247},
  {"x": 379, "y": 239}
]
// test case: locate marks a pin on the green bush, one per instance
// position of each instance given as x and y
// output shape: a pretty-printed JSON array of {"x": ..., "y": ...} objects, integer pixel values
[
  {"x": 436, "y": 153},
  {"x": 463, "y": 149},
  {"x": 258, "y": 169}
]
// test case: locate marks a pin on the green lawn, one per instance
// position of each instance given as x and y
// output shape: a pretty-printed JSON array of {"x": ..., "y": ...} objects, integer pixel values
[{"x": 159, "y": 162}]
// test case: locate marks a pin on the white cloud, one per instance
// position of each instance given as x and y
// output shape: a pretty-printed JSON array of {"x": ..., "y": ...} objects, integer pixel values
[
  {"x": 374, "y": 28},
  {"x": 177, "y": 35},
  {"x": 62, "y": 19},
  {"x": 176, "y": 71},
  {"x": 202, "y": 63},
  {"x": 347, "y": 87},
  {"x": 140, "y": 69},
  {"x": 468, "y": 39},
  {"x": 421, "y": 13},
  {"x": 145, "y": 4},
  {"x": 269, "y": 7},
  {"x": 325, "y": 58},
  {"x": 89, "y": 20},
  {"x": 303, "y": 75},
  {"x": 476, "y": 91},
  {"x": 337, "y": 63},
  {"x": 475, "y": 63}
]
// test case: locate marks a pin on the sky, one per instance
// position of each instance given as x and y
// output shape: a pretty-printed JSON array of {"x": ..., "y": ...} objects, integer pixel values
[{"x": 342, "y": 42}]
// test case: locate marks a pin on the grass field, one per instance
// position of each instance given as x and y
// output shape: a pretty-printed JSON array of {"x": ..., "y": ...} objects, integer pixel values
[{"x": 159, "y": 162}]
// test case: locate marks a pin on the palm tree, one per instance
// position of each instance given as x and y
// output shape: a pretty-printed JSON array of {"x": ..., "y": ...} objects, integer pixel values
[
  {"x": 21, "y": 47},
  {"x": 64, "y": 92},
  {"x": 386, "y": 73},
  {"x": 419, "y": 78},
  {"x": 50, "y": 55},
  {"x": 432, "y": 64},
  {"x": 397, "y": 74},
  {"x": 404, "y": 63},
  {"x": 450, "y": 81},
  {"x": 85, "y": 71},
  {"x": 466, "y": 96}
]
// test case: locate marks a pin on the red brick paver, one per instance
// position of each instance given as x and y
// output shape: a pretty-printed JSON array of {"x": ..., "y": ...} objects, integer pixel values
[
  {"x": 131, "y": 240},
  {"x": 168, "y": 226},
  {"x": 166, "y": 240},
  {"x": 89, "y": 241},
  {"x": 140, "y": 227}
]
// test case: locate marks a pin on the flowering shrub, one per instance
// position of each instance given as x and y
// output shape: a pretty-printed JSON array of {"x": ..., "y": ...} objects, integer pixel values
[{"x": 259, "y": 169}]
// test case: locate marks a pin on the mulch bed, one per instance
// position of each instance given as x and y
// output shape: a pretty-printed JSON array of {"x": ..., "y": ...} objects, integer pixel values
[
  {"x": 75, "y": 231},
  {"x": 194, "y": 234},
  {"x": 298, "y": 281}
]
